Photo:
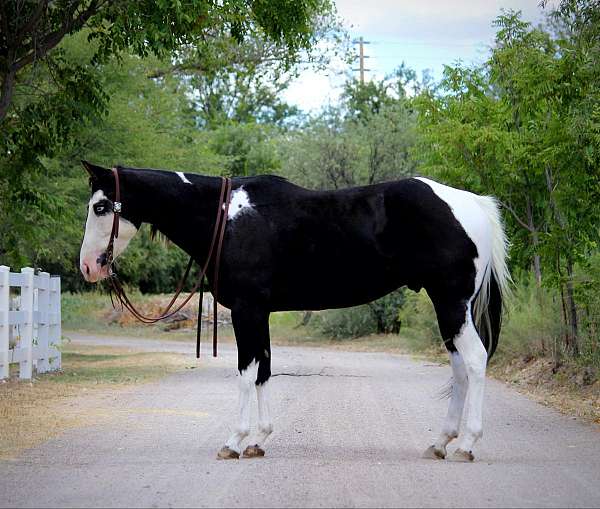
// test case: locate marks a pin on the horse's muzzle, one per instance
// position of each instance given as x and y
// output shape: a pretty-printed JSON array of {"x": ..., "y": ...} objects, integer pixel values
[
  {"x": 102, "y": 260},
  {"x": 94, "y": 271}
]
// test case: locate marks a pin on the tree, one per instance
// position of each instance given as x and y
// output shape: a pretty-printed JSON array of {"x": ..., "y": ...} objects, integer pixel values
[
  {"x": 367, "y": 139},
  {"x": 47, "y": 97},
  {"x": 30, "y": 30},
  {"x": 524, "y": 127}
]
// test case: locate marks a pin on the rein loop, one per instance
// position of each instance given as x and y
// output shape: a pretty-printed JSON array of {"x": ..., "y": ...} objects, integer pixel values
[{"x": 218, "y": 234}]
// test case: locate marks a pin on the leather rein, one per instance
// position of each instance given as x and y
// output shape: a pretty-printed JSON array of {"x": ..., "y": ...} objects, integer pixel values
[{"x": 217, "y": 241}]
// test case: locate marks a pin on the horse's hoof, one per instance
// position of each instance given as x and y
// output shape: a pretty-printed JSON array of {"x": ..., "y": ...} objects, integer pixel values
[
  {"x": 228, "y": 454},
  {"x": 253, "y": 451},
  {"x": 461, "y": 456},
  {"x": 433, "y": 453}
]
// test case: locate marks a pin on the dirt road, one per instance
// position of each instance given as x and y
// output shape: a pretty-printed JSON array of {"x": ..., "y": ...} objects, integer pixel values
[{"x": 348, "y": 432}]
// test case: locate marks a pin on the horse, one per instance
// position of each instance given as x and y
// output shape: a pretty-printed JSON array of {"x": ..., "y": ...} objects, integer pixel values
[{"x": 290, "y": 248}]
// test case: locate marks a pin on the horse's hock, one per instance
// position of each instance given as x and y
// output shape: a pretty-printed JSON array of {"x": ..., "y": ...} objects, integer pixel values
[{"x": 30, "y": 322}]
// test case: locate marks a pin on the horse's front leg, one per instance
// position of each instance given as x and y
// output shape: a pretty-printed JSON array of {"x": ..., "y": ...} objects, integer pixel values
[
  {"x": 251, "y": 327},
  {"x": 265, "y": 424}
]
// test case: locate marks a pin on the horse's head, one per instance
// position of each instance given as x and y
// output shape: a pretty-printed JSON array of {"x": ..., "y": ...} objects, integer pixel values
[{"x": 93, "y": 257}]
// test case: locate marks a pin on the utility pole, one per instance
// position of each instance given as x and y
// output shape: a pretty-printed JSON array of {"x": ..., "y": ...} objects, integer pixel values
[{"x": 361, "y": 58}]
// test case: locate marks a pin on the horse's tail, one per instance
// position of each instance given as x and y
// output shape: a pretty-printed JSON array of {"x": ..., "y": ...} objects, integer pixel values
[{"x": 487, "y": 305}]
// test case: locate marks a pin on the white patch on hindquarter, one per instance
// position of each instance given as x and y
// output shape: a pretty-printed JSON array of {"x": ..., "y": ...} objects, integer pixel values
[
  {"x": 182, "y": 177},
  {"x": 97, "y": 232},
  {"x": 469, "y": 214},
  {"x": 240, "y": 203}
]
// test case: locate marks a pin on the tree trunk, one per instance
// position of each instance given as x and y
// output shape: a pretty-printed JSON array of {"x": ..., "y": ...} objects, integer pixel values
[
  {"x": 573, "y": 343},
  {"x": 571, "y": 307},
  {"x": 6, "y": 93},
  {"x": 535, "y": 241},
  {"x": 305, "y": 319}
]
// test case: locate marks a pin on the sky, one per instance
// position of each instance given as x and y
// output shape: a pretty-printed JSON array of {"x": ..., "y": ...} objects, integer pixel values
[{"x": 425, "y": 34}]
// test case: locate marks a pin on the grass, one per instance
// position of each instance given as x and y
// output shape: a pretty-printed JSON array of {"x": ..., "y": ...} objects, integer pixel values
[{"x": 33, "y": 412}]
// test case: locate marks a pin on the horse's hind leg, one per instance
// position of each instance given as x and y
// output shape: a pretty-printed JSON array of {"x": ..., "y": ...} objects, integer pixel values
[
  {"x": 462, "y": 339},
  {"x": 455, "y": 408},
  {"x": 474, "y": 355}
]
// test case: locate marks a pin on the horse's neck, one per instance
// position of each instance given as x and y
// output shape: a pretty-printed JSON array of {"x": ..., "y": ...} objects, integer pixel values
[{"x": 185, "y": 215}]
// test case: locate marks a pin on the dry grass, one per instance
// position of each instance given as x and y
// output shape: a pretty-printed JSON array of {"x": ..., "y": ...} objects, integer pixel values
[
  {"x": 561, "y": 387},
  {"x": 33, "y": 412}
]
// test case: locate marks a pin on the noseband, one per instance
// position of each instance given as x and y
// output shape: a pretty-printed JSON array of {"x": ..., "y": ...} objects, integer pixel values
[{"x": 217, "y": 240}]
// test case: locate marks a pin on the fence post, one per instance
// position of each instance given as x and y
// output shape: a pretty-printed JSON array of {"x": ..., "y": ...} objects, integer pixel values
[
  {"x": 55, "y": 331},
  {"x": 43, "y": 303},
  {"x": 26, "y": 341},
  {"x": 4, "y": 331}
]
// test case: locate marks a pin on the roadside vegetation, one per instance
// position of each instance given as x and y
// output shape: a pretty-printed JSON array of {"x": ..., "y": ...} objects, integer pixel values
[{"x": 206, "y": 97}]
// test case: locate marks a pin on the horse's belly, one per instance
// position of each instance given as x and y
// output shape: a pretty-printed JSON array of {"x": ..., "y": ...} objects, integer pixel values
[{"x": 326, "y": 287}]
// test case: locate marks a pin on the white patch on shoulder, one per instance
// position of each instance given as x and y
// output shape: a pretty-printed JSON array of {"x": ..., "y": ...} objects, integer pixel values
[
  {"x": 183, "y": 178},
  {"x": 240, "y": 203}
]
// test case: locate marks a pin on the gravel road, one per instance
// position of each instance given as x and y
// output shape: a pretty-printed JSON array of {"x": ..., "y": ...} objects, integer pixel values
[{"x": 349, "y": 433}]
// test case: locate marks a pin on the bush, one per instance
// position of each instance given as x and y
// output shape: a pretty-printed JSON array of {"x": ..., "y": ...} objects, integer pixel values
[
  {"x": 419, "y": 321},
  {"x": 378, "y": 317},
  {"x": 588, "y": 298},
  {"x": 532, "y": 323}
]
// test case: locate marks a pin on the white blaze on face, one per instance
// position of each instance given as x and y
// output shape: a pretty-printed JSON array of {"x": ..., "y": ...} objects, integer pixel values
[{"x": 97, "y": 234}]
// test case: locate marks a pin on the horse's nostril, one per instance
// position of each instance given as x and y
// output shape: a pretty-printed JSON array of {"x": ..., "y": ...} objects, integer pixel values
[{"x": 87, "y": 269}]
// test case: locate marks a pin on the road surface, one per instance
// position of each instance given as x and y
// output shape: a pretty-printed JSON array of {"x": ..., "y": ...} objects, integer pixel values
[{"x": 349, "y": 432}]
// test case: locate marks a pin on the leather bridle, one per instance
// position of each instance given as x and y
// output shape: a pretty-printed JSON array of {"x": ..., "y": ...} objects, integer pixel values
[{"x": 217, "y": 241}]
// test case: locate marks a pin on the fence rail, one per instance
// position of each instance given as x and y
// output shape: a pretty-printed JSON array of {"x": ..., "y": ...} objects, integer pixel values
[{"x": 30, "y": 322}]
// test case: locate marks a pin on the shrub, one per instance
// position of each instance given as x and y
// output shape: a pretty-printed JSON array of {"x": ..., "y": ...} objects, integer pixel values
[
  {"x": 419, "y": 322},
  {"x": 380, "y": 316},
  {"x": 532, "y": 323}
]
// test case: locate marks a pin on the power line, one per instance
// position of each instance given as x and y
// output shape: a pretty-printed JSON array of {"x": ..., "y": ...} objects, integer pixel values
[{"x": 432, "y": 43}]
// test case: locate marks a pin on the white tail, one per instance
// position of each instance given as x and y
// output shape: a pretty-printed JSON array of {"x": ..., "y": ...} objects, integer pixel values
[{"x": 497, "y": 268}]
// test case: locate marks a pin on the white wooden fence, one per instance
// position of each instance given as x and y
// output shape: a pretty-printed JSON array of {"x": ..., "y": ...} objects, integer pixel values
[{"x": 30, "y": 328}]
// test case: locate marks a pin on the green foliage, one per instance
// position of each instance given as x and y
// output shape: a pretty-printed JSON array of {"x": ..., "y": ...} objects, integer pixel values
[
  {"x": 386, "y": 312},
  {"x": 55, "y": 109},
  {"x": 523, "y": 127},
  {"x": 378, "y": 317},
  {"x": 588, "y": 297},
  {"x": 345, "y": 323},
  {"x": 249, "y": 149},
  {"x": 533, "y": 324},
  {"x": 368, "y": 138},
  {"x": 419, "y": 322}
]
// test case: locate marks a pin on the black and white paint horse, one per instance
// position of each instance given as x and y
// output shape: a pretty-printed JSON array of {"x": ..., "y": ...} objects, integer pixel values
[{"x": 289, "y": 248}]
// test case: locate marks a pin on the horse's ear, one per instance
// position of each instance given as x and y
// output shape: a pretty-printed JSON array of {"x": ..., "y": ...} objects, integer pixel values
[{"x": 94, "y": 171}]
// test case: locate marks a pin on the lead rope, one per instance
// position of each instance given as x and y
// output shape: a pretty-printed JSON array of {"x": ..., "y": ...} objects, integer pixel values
[
  {"x": 219, "y": 231},
  {"x": 217, "y": 264}
]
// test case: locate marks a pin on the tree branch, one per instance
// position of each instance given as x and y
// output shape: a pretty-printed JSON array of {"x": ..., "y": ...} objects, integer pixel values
[
  {"x": 53, "y": 38},
  {"x": 518, "y": 219}
]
